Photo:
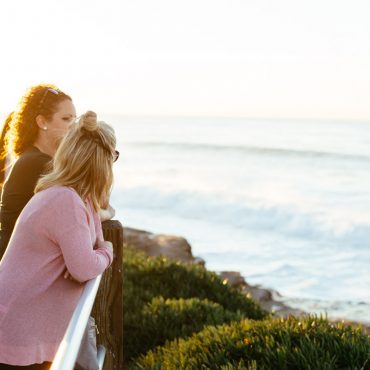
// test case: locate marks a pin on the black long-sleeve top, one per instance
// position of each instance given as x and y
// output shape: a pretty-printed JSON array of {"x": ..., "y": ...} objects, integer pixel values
[{"x": 19, "y": 188}]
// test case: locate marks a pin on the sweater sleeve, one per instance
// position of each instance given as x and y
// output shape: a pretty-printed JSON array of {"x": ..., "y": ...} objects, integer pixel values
[{"x": 70, "y": 230}]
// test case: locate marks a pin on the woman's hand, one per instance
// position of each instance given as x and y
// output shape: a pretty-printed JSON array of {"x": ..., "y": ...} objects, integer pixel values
[
  {"x": 107, "y": 213},
  {"x": 68, "y": 276}
]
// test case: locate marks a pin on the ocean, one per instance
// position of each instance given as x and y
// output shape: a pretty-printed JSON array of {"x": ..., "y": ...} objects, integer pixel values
[{"x": 285, "y": 202}]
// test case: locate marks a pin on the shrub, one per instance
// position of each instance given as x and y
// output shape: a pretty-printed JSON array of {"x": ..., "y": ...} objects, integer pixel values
[
  {"x": 162, "y": 320},
  {"x": 164, "y": 300},
  {"x": 148, "y": 277},
  {"x": 311, "y": 343}
]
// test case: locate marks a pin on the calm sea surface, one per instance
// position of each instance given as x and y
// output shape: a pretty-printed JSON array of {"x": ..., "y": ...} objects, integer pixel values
[{"x": 285, "y": 202}]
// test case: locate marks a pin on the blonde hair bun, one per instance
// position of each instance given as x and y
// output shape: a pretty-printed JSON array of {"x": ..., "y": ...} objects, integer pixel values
[{"x": 89, "y": 121}]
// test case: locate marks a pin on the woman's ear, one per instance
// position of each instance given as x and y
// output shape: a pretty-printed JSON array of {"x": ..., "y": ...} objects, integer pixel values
[{"x": 41, "y": 122}]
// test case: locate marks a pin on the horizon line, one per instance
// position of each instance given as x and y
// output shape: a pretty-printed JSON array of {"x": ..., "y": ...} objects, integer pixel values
[{"x": 261, "y": 118}]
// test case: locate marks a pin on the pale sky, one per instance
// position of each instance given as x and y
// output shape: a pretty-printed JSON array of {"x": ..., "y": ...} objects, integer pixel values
[{"x": 253, "y": 58}]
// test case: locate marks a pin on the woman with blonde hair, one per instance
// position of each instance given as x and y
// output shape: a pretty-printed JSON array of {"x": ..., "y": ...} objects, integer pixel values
[
  {"x": 31, "y": 135},
  {"x": 58, "y": 229}
]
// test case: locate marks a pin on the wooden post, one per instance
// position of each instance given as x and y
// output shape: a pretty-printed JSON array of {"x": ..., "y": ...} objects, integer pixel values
[{"x": 108, "y": 307}]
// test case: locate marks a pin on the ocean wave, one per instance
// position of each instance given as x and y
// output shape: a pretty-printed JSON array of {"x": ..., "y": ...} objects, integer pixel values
[
  {"x": 284, "y": 220},
  {"x": 253, "y": 150}
]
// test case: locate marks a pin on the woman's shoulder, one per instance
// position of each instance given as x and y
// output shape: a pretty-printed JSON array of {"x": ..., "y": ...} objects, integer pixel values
[
  {"x": 61, "y": 192},
  {"x": 57, "y": 205},
  {"x": 26, "y": 171},
  {"x": 31, "y": 158},
  {"x": 34, "y": 153},
  {"x": 64, "y": 199}
]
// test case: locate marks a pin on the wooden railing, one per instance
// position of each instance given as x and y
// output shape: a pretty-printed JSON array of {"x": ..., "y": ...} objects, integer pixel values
[{"x": 107, "y": 311}]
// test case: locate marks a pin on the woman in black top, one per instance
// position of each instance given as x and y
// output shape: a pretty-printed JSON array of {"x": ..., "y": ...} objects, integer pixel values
[{"x": 43, "y": 117}]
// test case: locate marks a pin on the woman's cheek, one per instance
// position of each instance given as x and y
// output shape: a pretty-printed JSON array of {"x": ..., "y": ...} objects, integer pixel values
[{"x": 58, "y": 134}]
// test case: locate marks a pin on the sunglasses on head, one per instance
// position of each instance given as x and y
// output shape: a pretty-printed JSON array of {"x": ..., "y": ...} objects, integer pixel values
[{"x": 48, "y": 90}]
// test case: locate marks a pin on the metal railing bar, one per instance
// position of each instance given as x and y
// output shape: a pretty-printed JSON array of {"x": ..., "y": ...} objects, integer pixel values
[
  {"x": 66, "y": 355},
  {"x": 101, "y": 355}
]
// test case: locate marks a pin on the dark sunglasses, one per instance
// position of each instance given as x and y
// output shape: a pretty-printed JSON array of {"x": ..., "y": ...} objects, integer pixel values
[
  {"x": 115, "y": 155},
  {"x": 48, "y": 90}
]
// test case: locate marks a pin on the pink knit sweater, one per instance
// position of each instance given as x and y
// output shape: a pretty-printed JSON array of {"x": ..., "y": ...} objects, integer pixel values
[{"x": 54, "y": 232}]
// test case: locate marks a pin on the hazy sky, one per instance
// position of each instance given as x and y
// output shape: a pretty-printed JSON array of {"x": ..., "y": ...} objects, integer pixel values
[{"x": 277, "y": 58}]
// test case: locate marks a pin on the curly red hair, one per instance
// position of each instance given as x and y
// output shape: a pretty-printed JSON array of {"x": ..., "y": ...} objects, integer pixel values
[{"x": 42, "y": 100}]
